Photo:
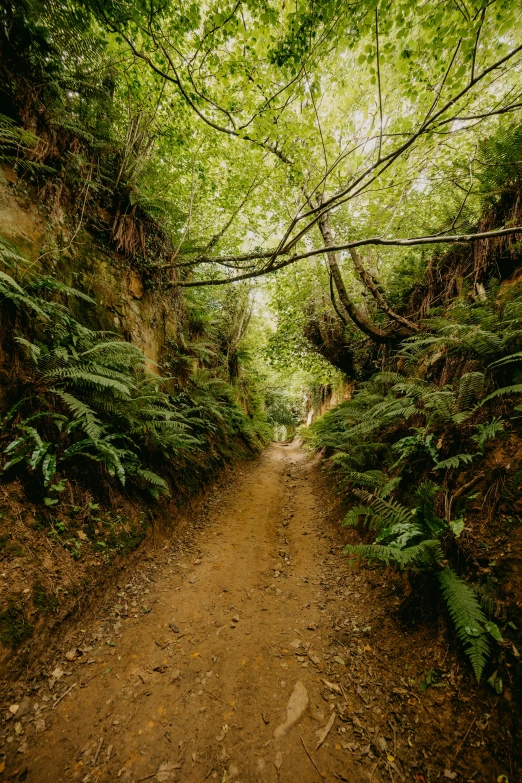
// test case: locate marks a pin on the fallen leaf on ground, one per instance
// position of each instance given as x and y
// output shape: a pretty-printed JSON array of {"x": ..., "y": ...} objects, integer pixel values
[
  {"x": 333, "y": 687},
  {"x": 324, "y": 732},
  {"x": 166, "y": 771}
]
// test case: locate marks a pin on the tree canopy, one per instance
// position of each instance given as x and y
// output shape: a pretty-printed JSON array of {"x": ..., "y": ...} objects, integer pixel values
[{"x": 262, "y": 134}]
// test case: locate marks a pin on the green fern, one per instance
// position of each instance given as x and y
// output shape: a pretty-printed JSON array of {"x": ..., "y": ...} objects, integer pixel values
[
  {"x": 385, "y": 513},
  {"x": 10, "y": 290},
  {"x": 412, "y": 413},
  {"x": 427, "y": 554},
  {"x": 353, "y": 517},
  {"x": 16, "y": 144},
  {"x": 468, "y": 618},
  {"x": 105, "y": 403},
  {"x": 505, "y": 390},
  {"x": 513, "y": 357},
  {"x": 373, "y": 552},
  {"x": 487, "y": 431},
  {"x": 454, "y": 461},
  {"x": 470, "y": 389}
]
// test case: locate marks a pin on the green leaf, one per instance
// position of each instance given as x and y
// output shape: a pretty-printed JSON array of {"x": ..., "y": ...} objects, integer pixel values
[
  {"x": 494, "y": 630},
  {"x": 457, "y": 526},
  {"x": 48, "y": 470},
  {"x": 59, "y": 487}
]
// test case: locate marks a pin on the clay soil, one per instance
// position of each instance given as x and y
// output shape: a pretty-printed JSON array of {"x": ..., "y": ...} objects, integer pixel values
[{"x": 188, "y": 668}]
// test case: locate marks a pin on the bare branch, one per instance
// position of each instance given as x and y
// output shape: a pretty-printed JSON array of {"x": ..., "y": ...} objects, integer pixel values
[
  {"x": 475, "y": 48},
  {"x": 378, "y": 78}
]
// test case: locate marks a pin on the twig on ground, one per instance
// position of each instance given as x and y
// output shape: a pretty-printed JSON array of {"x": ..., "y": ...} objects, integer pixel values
[
  {"x": 374, "y": 770},
  {"x": 95, "y": 759},
  {"x": 464, "y": 739},
  {"x": 311, "y": 759},
  {"x": 56, "y": 703}
]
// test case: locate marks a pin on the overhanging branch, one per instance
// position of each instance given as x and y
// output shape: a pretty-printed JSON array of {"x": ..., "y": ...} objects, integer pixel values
[{"x": 409, "y": 242}]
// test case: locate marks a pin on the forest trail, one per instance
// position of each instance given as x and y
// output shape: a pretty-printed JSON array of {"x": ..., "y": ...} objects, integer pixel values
[{"x": 187, "y": 674}]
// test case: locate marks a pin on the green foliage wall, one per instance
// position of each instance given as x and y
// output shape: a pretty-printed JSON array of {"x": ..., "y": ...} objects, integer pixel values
[
  {"x": 412, "y": 449},
  {"x": 80, "y": 398}
]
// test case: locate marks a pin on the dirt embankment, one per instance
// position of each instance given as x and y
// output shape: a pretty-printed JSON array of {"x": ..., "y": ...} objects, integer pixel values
[{"x": 234, "y": 653}]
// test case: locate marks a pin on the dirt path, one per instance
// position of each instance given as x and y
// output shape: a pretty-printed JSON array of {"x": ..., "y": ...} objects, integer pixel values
[{"x": 187, "y": 675}]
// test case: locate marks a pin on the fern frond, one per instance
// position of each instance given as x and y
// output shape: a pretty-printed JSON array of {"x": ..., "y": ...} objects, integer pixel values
[
  {"x": 152, "y": 478},
  {"x": 428, "y": 554},
  {"x": 386, "y": 513},
  {"x": 89, "y": 421},
  {"x": 515, "y": 389},
  {"x": 9, "y": 289},
  {"x": 373, "y": 552},
  {"x": 353, "y": 517},
  {"x": 80, "y": 377},
  {"x": 468, "y": 618},
  {"x": 470, "y": 388},
  {"x": 425, "y": 510},
  {"x": 47, "y": 283},
  {"x": 454, "y": 462},
  {"x": 513, "y": 357}
]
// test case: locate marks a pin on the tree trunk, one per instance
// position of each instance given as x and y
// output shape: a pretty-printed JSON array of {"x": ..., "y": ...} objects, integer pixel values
[
  {"x": 360, "y": 320},
  {"x": 369, "y": 282}
]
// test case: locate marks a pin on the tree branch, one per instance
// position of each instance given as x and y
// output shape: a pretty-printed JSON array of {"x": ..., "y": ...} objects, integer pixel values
[
  {"x": 360, "y": 320},
  {"x": 410, "y": 242},
  {"x": 175, "y": 79},
  {"x": 351, "y": 190},
  {"x": 369, "y": 283},
  {"x": 473, "y": 61},
  {"x": 334, "y": 303},
  {"x": 378, "y": 77}
]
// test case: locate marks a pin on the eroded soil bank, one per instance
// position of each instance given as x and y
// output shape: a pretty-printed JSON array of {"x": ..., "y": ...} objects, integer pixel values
[{"x": 188, "y": 671}]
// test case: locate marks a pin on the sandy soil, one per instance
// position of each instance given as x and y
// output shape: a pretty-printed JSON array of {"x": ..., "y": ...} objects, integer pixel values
[{"x": 188, "y": 671}]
